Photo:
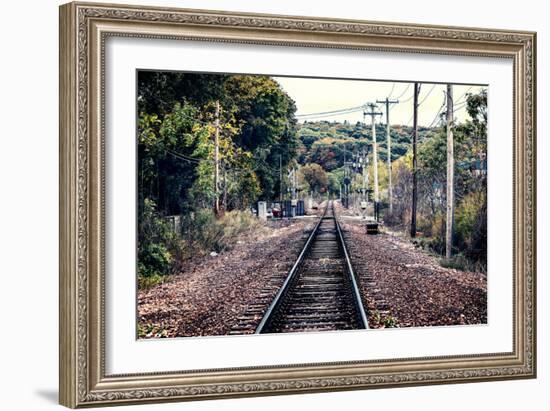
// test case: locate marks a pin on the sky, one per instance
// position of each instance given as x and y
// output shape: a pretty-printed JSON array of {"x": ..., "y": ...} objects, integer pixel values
[{"x": 321, "y": 95}]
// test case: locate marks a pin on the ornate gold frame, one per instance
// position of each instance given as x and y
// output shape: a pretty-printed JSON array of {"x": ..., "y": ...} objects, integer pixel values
[{"x": 83, "y": 30}]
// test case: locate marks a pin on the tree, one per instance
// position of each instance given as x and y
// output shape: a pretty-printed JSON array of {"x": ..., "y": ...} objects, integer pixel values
[
  {"x": 258, "y": 126},
  {"x": 315, "y": 177},
  {"x": 265, "y": 116},
  {"x": 158, "y": 91}
]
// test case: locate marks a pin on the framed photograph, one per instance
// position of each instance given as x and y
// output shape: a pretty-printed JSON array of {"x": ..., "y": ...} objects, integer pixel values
[{"x": 260, "y": 204}]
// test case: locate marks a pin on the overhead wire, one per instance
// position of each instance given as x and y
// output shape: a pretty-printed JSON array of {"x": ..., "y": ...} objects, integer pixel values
[
  {"x": 404, "y": 91},
  {"x": 334, "y": 112},
  {"x": 391, "y": 91}
]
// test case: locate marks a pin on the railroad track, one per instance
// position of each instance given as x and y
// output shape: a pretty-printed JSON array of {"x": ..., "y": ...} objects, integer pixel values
[{"x": 320, "y": 292}]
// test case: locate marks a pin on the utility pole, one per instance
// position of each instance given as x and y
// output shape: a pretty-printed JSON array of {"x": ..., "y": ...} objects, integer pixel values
[
  {"x": 363, "y": 160},
  {"x": 292, "y": 182},
  {"x": 450, "y": 173},
  {"x": 281, "y": 184},
  {"x": 372, "y": 113},
  {"x": 217, "y": 159},
  {"x": 387, "y": 102},
  {"x": 347, "y": 179},
  {"x": 415, "y": 135},
  {"x": 224, "y": 201},
  {"x": 294, "y": 200}
]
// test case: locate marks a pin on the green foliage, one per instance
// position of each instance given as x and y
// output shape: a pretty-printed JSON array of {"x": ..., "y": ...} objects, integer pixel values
[
  {"x": 327, "y": 143},
  {"x": 158, "y": 91},
  {"x": 315, "y": 177},
  {"x": 471, "y": 225},
  {"x": 335, "y": 181},
  {"x": 389, "y": 322},
  {"x": 470, "y": 187},
  {"x": 244, "y": 189},
  {"x": 146, "y": 282},
  {"x": 457, "y": 261},
  {"x": 154, "y": 259},
  {"x": 161, "y": 176},
  {"x": 155, "y": 240},
  {"x": 380, "y": 320},
  {"x": 259, "y": 134},
  {"x": 204, "y": 233},
  {"x": 461, "y": 262},
  {"x": 150, "y": 330},
  {"x": 176, "y": 161},
  {"x": 258, "y": 129}
]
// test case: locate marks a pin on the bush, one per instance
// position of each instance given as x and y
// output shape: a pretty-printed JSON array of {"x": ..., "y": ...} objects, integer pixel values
[
  {"x": 157, "y": 245},
  {"x": 471, "y": 226},
  {"x": 204, "y": 233},
  {"x": 470, "y": 234},
  {"x": 161, "y": 249},
  {"x": 461, "y": 262},
  {"x": 458, "y": 262},
  {"x": 379, "y": 320},
  {"x": 154, "y": 259},
  {"x": 146, "y": 282}
]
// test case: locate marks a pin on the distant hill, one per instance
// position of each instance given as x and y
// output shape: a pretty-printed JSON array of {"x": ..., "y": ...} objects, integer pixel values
[{"x": 324, "y": 142}]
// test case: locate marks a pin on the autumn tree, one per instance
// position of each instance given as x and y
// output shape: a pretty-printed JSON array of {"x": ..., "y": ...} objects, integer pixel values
[{"x": 315, "y": 177}]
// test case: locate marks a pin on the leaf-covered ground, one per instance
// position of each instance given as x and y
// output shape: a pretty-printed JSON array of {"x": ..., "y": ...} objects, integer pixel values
[
  {"x": 210, "y": 293},
  {"x": 405, "y": 287},
  {"x": 401, "y": 285}
]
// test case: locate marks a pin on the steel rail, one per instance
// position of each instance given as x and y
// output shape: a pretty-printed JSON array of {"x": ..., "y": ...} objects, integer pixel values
[
  {"x": 363, "y": 319},
  {"x": 360, "y": 313},
  {"x": 266, "y": 319}
]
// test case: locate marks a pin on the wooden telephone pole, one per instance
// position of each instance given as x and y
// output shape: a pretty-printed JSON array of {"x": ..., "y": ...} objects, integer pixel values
[
  {"x": 281, "y": 181},
  {"x": 415, "y": 135},
  {"x": 387, "y": 102},
  {"x": 217, "y": 159},
  {"x": 372, "y": 113},
  {"x": 450, "y": 173}
]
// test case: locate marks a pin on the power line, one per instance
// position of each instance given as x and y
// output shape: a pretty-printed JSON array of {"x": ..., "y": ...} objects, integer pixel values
[
  {"x": 404, "y": 91},
  {"x": 196, "y": 161},
  {"x": 349, "y": 110},
  {"x": 437, "y": 115},
  {"x": 391, "y": 91},
  {"x": 410, "y": 98},
  {"x": 185, "y": 157},
  {"x": 339, "y": 111},
  {"x": 427, "y": 95}
]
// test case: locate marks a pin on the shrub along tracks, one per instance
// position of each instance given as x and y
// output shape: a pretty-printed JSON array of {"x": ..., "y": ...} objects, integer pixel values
[
  {"x": 210, "y": 293},
  {"x": 404, "y": 286},
  {"x": 229, "y": 293}
]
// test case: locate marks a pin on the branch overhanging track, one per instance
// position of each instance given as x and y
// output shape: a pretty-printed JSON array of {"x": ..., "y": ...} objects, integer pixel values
[{"x": 320, "y": 292}]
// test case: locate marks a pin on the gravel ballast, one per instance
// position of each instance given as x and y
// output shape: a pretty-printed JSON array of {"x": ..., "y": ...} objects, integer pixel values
[
  {"x": 211, "y": 292},
  {"x": 406, "y": 287}
]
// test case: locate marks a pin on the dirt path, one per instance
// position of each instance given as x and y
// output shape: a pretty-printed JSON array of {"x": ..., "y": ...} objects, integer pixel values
[
  {"x": 402, "y": 283},
  {"x": 210, "y": 293}
]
